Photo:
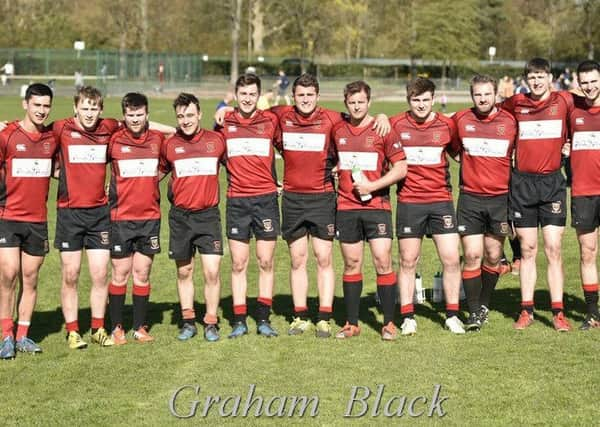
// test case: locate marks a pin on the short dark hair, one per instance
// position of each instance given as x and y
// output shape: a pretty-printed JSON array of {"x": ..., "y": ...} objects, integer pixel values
[
  {"x": 357, "y": 87},
  {"x": 587, "y": 66},
  {"x": 91, "y": 93},
  {"x": 483, "y": 78},
  {"x": 134, "y": 100},
  {"x": 536, "y": 65},
  {"x": 419, "y": 86},
  {"x": 38, "y": 89},
  {"x": 184, "y": 99},
  {"x": 247, "y": 80},
  {"x": 306, "y": 80}
]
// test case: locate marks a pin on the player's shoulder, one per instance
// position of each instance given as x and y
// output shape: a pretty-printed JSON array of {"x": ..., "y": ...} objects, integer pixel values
[
  {"x": 399, "y": 118},
  {"x": 281, "y": 110},
  {"x": 462, "y": 115},
  {"x": 505, "y": 115},
  {"x": 108, "y": 125}
]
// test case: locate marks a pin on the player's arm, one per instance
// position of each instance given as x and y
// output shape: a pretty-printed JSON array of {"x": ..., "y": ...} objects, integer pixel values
[
  {"x": 382, "y": 124},
  {"x": 220, "y": 114},
  {"x": 395, "y": 174},
  {"x": 162, "y": 128}
]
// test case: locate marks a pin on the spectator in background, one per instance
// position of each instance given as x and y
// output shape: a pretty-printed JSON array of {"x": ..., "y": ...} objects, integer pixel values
[
  {"x": 506, "y": 88},
  {"x": 8, "y": 70},
  {"x": 282, "y": 84},
  {"x": 79, "y": 83}
]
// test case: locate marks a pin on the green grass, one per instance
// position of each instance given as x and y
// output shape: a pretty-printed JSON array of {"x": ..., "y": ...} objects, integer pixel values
[{"x": 496, "y": 377}]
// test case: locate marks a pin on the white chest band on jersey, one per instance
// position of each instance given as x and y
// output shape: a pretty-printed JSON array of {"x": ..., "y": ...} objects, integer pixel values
[
  {"x": 293, "y": 141},
  {"x": 586, "y": 140},
  {"x": 423, "y": 155},
  {"x": 248, "y": 147},
  {"x": 31, "y": 168},
  {"x": 134, "y": 168},
  {"x": 196, "y": 166},
  {"x": 486, "y": 147},
  {"x": 540, "y": 129},
  {"x": 363, "y": 161},
  {"x": 87, "y": 153}
]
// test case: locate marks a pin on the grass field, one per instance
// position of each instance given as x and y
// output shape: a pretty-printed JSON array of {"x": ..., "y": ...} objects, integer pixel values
[{"x": 496, "y": 377}]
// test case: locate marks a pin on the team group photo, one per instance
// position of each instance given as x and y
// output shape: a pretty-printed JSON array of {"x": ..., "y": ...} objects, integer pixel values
[{"x": 299, "y": 228}]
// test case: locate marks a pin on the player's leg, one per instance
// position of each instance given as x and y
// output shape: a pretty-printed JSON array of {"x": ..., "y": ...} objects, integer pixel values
[
  {"x": 448, "y": 252},
  {"x": 528, "y": 237},
  {"x": 30, "y": 268},
  {"x": 352, "y": 253},
  {"x": 141, "y": 268},
  {"x": 490, "y": 270},
  {"x": 265, "y": 255},
  {"x": 471, "y": 277},
  {"x": 211, "y": 264},
  {"x": 323, "y": 251},
  {"x": 588, "y": 249},
  {"x": 240, "y": 255},
  {"x": 552, "y": 235},
  {"x": 299, "y": 284},
  {"x": 10, "y": 263},
  {"x": 387, "y": 286},
  {"x": 70, "y": 269}
]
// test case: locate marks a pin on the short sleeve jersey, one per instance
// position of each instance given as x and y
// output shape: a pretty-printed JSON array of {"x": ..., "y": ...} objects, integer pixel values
[
  {"x": 134, "y": 193},
  {"x": 250, "y": 156},
  {"x": 26, "y": 163},
  {"x": 82, "y": 163},
  {"x": 486, "y": 147},
  {"x": 306, "y": 148},
  {"x": 425, "y": 144},
  {"x": 542, "y": 130},
  {"x": 194, "y": 165},
  {"x": 584, "y": 126},
  {"x": 361, "y": 147}
]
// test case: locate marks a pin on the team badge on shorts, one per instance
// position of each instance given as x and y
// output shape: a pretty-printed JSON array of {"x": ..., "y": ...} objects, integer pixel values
[
  {"x": 154, "y": 242},
  {"x": 267, "y": 225},
  {"x": 104, "y": 237},
  {"x": 504, "y": 227},
  {"x": 46, "y": 246},
  {"x": 217, "y": 245},
  {"x": 330, "y": 230},
  {"x": 381, "y": 229},
  {"x": 556, "y": 207},
  {"x": 448, "y": 223}
]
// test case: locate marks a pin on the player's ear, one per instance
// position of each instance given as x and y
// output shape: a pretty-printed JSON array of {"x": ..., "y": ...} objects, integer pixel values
[
  {"x": 24, "y": 104},
  {"x": 200, "y": 116}
]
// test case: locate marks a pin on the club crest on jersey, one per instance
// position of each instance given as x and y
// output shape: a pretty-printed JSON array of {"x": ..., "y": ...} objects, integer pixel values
[
  {"x": 210, "y": 147},
  {"x": 370, "y": 141},
  {"x": 104, "y": 238},
  {"x": 501, "y": 130},
  {"x": 260, "y": 128},
  {"x": 470, "y": 128},
  {"x": 154, "y": 242},
  {"x": 46, "y": 147},
  {"x": 579, "y": 121},
  {"x": 267, "y": 224},
  {"x": 154, "y": 148},
  {"x": 437, "y": 137},
  {"x": 405, "y": 135},
  {"x": 448, "y": 222},
  {"x": 125, "y": 149},
  {"x": 381, "y": 229},
  {"x": 556, "y": 207},
  {"x": 21, "y": 147},
  {"x": 553, "y": 110},
  {"x": 217, "y": 245},
  {"x": 330, "y": 230},
  {"x": 75, "y": 134},
  {"x": 179, "y": 150}
]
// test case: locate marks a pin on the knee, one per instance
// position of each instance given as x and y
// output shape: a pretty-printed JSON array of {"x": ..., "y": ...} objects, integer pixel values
[
  {"x": 324, "y": 261},
  {"x": 382, "y": 264},
  {"x": 185, "y": 272},
  {"x": 265, "y": 264},
  {"x": 588, "y": 254},
  {"x": 553, "y": 251},
  {"x": 211, "y": 277},
  {"x": 298, "y": 261},
  {"x": 408, "y": 263},
  {"x": 141, "y": 275},
  {"x": 472, "y": 260}
]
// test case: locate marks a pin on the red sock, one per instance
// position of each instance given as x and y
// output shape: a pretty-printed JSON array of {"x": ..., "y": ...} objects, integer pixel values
[
  {"x": 22, "y": 329},
  {"x": 72, "y": 326},
  {"x": 97, "y": 322},
  {"x": 8, "y": 326}
]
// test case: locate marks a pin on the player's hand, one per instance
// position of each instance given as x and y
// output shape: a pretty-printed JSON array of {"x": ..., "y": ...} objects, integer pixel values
[
  {"x": 220, "y": 115},
  {"x": 3, "y": 125},
  {"x": 364, "y": 188},
  {"x": 382, "y": 125},
  {"x": 566, "y": 149}
]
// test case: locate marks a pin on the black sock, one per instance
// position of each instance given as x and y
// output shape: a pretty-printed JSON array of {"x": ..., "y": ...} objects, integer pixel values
[
  {"x": 387, "y": 296},
  {"x": 472, "y": 286},
  {"x": 515, "y": 245},
  {"x": 324, "y": 315},
  {"x": 140, "y": 308},
  {"x": 489, "y": 279},
  {"x": 262, "y": 311},
  {"x": 115, "y": 308},
  {"x": 352, "y": 292}
]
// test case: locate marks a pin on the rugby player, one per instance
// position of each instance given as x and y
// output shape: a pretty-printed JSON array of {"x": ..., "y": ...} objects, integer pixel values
[
  {"x": 487, "y": 135},
  {"x": 425, "y": 201},
  {"x": 368, "y": 165},
  {"x": 192, "y": 156},
  {"x": 27, "y": 151},
  {"x": 538, "y": 187}
]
